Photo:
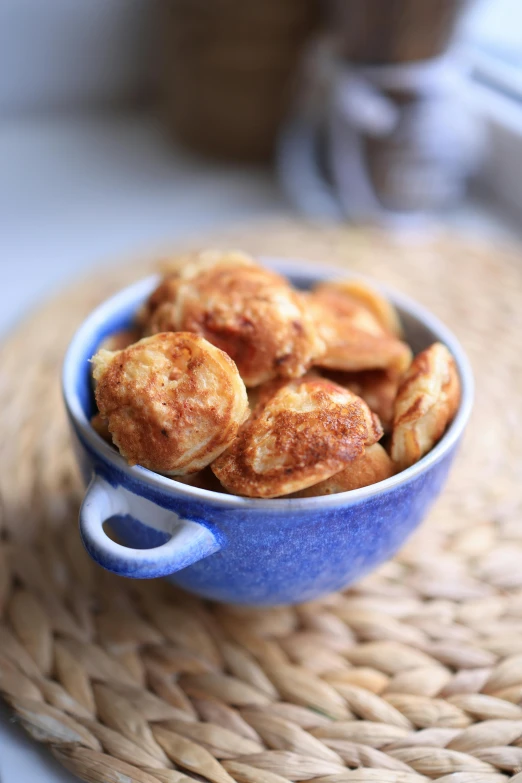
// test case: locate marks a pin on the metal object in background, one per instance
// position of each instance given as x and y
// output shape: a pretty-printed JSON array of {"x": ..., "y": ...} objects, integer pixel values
[
  {"x": 401, "y": 139},
  {"x": 390, "y": 141}
]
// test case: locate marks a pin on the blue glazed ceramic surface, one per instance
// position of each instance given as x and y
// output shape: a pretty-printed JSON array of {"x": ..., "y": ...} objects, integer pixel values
[{"x": 242, "y": 550}]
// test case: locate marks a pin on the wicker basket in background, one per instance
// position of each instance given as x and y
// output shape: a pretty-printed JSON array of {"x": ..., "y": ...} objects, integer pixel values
[{"x": 228, "y": 67}]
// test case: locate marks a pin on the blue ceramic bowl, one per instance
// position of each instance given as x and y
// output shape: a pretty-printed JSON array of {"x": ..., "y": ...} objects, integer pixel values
[{"x": 244, "y": 550}]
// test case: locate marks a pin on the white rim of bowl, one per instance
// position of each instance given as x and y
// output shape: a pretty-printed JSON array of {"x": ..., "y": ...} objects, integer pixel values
[{"x": 289, "y": 267}]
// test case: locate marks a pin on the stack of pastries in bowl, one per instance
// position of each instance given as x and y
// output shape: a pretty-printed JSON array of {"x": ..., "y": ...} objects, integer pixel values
[{"x": 232, "y": 380}]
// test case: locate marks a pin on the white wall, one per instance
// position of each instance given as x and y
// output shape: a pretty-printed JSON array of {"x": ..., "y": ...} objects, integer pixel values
[{"x": 70, "y": 53}]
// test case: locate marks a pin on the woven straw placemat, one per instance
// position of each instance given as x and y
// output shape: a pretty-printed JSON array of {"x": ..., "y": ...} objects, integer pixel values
[{"x": 414, "y": 673}]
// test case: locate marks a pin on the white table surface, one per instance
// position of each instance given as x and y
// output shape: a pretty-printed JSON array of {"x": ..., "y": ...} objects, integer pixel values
[{"x": 75, "y": 192}]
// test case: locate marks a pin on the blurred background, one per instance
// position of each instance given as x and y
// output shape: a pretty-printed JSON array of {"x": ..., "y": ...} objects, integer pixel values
[
  {"x": 128, "y": 124},
  {"x": 125, "y": 124}
]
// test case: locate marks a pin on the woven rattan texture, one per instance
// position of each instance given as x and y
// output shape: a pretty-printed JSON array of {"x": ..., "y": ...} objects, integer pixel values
[{"x": 414, "y": 674}]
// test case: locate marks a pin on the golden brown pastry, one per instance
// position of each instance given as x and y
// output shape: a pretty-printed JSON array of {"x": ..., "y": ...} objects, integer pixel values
[
  {"x": 173, "y": 401},
  {"x": 372, "y": 466},
  {"x": 378, "y": 388},
  {"x": 354, "y": 338},
  {"x": 251, "y": 313},
  {"x": 113, "y": 342},
  {"x": 380, "y": 307},
  {"x": 426, "y": 403},
  {"x": 302, "y": 433},
  {"x": 160, "y": 310}
]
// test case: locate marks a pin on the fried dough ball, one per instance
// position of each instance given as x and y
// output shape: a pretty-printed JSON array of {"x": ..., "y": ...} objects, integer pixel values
[
  {"x": 378, "y": 388},
  {"x": 426, "y": 403},
  {"x": 302, "y": 433},
  {"x": 372, "y": 466},
  {"x": 251, "y": 313},
  {"x": 173, "y": 401},
  {"x": 354, "y": 338},
  {"x": 373, "y": 301},
  {"x": 113, "y": 342},
  {"x": 160, "y": 307}
]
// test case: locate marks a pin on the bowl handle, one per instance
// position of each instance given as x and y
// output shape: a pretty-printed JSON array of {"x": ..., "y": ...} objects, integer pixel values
[{"x": 189, "y": 542}]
